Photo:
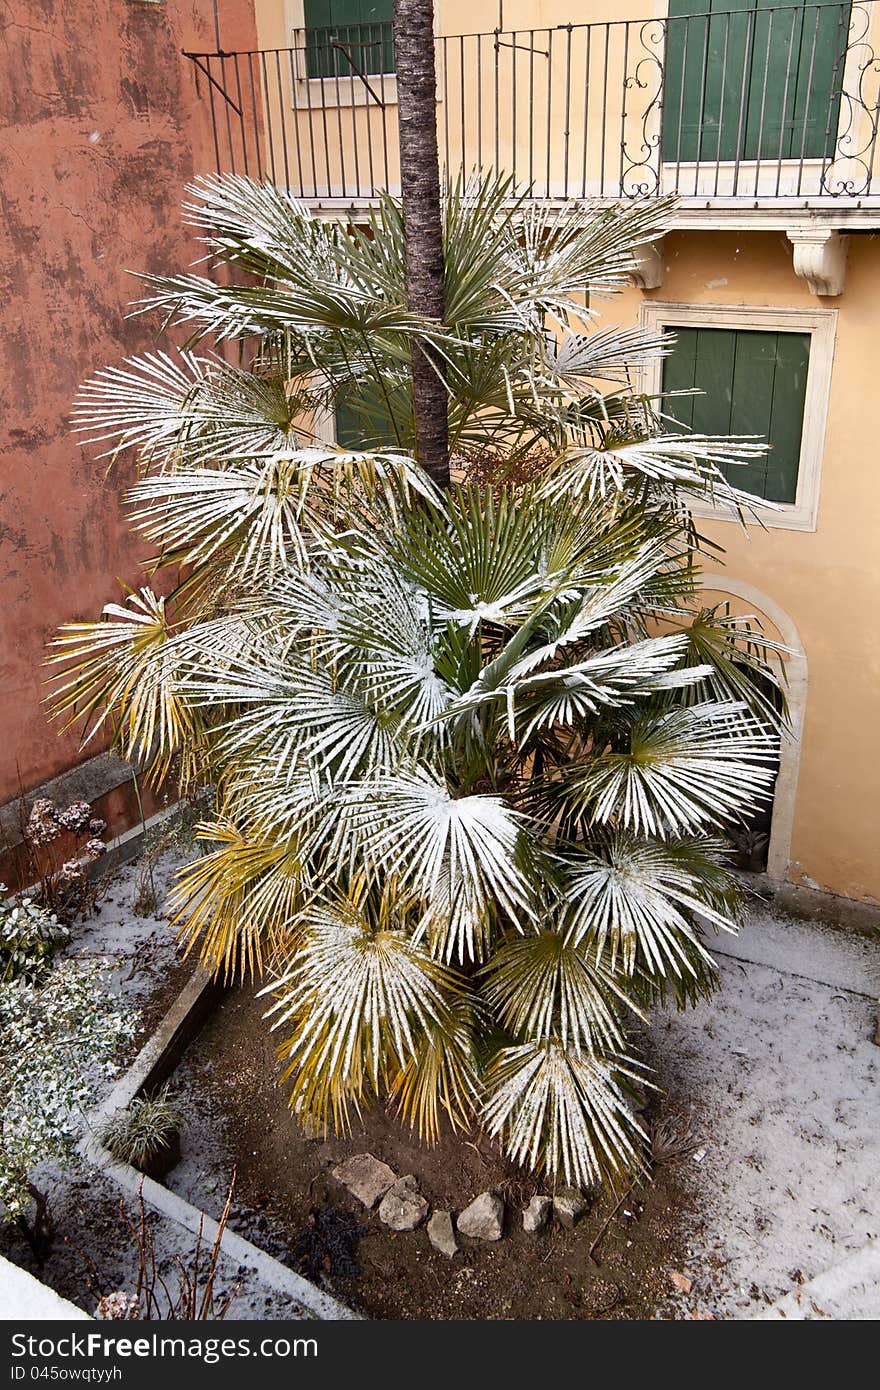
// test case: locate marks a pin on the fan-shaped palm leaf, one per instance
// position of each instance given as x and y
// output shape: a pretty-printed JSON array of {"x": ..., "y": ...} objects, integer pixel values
[
  {"x": 358, "y": 1000},
  {"x": 700, "y": 766},
  {"x": 540, "y": 985},
  {"x": 633, "y": 902},
  {"x": 563, "y": 1111}
]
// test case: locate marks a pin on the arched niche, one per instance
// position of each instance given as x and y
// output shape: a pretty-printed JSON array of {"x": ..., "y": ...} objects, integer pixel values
[{"x": 794, "y": 662}]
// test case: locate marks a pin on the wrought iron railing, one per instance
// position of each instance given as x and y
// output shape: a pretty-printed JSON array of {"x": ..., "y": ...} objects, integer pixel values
[{"x": 745, "y": 106}]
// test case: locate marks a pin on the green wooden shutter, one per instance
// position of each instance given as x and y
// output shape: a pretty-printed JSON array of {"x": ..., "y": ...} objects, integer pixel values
[
  {"x": 363, "y": 420},
  {"x": 753, "y": 383},
  {"x": 337, "y": 29},
  {"x": 752, "y": 79}
]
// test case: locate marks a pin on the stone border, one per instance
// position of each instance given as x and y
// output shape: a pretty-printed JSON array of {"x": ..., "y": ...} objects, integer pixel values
[
  {"x": 87, "y": 781},
  {"x": 25, "y": 1298},
  {"x": 153, "y": 1064}
]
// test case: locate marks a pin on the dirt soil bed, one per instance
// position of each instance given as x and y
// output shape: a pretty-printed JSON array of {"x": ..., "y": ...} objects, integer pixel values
[{"x": 288, "y": 1202}]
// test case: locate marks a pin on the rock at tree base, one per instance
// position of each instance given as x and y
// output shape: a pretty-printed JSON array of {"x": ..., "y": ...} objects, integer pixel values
[
  {"x": 441, "y": 1235},
  {"x": 569, "y": 1206},
  {"x": 484, "y": 1218},
  {"x": 403, "y": 1207},
  {"x": 366, "y": 1177},
  {"x": 537, "y": 1214}
]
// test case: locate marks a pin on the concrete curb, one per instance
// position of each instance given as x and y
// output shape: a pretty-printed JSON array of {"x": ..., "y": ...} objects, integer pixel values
[
  {"x": 154, "y": 1064},
  {"x": 25, "y": 1298},
  {"x": 820, "y": 1298}
]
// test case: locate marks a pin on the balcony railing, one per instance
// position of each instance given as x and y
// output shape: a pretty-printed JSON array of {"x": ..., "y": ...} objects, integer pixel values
[{"x": 749, "y": 107}]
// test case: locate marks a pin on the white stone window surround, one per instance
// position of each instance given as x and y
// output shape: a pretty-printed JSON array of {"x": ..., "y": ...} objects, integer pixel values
[{"x": 821, "y": 324}]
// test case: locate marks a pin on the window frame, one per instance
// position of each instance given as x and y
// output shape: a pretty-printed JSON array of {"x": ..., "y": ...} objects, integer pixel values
[
  {"x": 821, "y": 325},
  {"x": 330, "y": 92}
]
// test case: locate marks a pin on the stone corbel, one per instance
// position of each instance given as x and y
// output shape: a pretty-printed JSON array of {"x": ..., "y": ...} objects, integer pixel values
[
  {"x": 649, "y": 267},
  {"x": 820, "y": 259}
]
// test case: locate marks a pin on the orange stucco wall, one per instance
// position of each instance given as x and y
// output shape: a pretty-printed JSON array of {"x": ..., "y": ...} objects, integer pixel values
[{"x": 101, "y": 124}]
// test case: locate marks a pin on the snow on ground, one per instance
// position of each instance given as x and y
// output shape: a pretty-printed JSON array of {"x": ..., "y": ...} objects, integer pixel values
[
  {"x": 778, "y": 1074},
  {"x": 146, "y": 971},
  {"x": 782, "y": 1079}
]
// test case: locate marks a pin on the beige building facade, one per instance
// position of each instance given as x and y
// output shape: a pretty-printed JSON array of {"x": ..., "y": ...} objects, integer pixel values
[{"x": 763, "y": 121}]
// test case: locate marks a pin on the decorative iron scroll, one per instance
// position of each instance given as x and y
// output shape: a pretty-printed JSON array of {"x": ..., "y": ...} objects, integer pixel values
[
  {"x": 850, "y": 172},
  {"x": 640, "y": 170}
]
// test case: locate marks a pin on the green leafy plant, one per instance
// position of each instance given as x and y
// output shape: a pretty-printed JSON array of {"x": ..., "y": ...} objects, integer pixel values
[
  {"x": 58, "y": 1040},
  {"x": 146, "y": 1127},
  {"x": 474, "y": 753},
  {"x": 29, "y": 937}
]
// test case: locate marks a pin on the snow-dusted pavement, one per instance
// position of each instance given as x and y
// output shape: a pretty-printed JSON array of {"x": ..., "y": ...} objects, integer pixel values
[{"x": 782, "y": 1079}]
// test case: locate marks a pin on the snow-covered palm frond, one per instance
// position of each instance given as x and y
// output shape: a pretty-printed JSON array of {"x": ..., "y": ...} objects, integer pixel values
[
  {"x": 591, "y": 606},
  {"x": 692, "y": 462},
  {"x": 738, "y": 657},
  {"x": 289, "y": 714},
  {"x": 241, "y": 219},
  {"x": 360, "y": 616},
  {"x": 126, "y": 669},
  {"x": 357, "y": 1001},
  {"x": 632, "y": 902},
  {"x": 442, "y": 1073},
  {"x": 565, "y": 249},
  {"x": 582, "y": 360},
  {"x": 541, "y": 985},
  {"x": 310, "y": 308},
  {"x": 700, "y": 766},
  {"x": 481, "y": 219},
  {"x": 240, "y": 902},
  {"x": 478, "y": 560},
  {"x": 410, "y": 825},
  {"x": 563, "y": 1111},
  {"x": 567, "y": 695},
  {"x": 256, "y": 512},
  {"x": 189, "y": 410}
]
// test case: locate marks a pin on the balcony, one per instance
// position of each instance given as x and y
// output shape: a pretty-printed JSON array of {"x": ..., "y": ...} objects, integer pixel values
[{"x": 760, "y": 116}]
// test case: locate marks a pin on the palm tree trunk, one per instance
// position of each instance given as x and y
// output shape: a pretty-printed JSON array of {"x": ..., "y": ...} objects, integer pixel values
[{"x": 413, "y": 22}]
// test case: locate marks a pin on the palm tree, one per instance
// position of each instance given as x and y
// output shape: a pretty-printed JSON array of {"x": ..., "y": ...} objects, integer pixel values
[
  {"x": 475, "y": 751},
  {"x": 413, "y": 27}
]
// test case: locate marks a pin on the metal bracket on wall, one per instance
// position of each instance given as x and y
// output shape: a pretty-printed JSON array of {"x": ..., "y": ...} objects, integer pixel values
[
  {"x": 195, "y": 58},
  {"x": 344, "y": 50}
]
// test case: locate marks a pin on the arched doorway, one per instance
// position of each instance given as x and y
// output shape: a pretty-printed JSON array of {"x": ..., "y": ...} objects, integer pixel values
[{"x": 795, "y": 686}]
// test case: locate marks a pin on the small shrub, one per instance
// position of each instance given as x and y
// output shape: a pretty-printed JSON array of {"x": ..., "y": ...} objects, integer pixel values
[
  {"x": 61, "y": 847},
  {"x": 58, "y": 1037},
  {"x": 29, "y": 938},
  {"x": 154, "y": 1297},
  {"x": 140, "y": 1133}
]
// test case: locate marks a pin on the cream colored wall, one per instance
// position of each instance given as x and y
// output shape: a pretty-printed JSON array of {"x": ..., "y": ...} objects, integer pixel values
[
  {"x": 827, "y": 581},
  {"x": 563, "y": 106},
  {"x": 274, "y": 17}
]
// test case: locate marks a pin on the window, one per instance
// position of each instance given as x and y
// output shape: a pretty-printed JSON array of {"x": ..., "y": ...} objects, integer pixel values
[
  {"x": 347, "y": 37},
  {"x": 762, "y": 371},
  {"x": 754, "y": 383},
  {"x": 366, "y": 423},
  {"x": 752, "y": 79}
]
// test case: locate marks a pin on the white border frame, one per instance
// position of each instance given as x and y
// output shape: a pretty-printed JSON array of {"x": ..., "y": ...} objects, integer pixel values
[
  {"x": 821, "y": 324},
  {"x": 792, "y": 672}
]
